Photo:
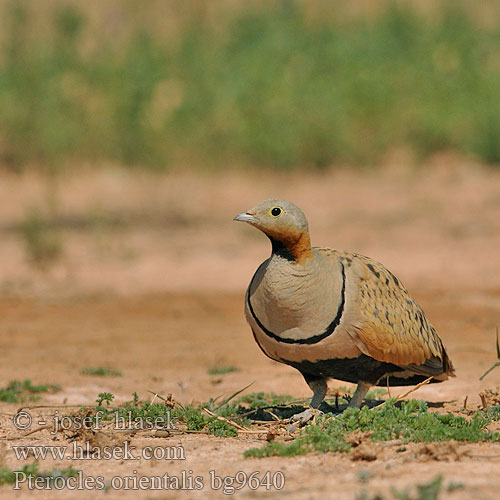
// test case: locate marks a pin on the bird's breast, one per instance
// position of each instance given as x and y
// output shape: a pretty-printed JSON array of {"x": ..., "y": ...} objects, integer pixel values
[
  {"x": 297, "y": 313},
  {"x": 301, "y": 300}
]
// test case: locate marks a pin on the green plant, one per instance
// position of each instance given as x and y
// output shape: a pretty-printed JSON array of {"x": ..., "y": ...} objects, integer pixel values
[
  {"x": 222, "y": 370},
  {"x": 495, "y": 364},
  {"x": 190, "y": 417},
  {"x": 221, "y": 428},
  {"x": 261, "y": 399},
  {"x": 43, "y": 245},
  {"x": 8, "y": 476},
  {"x": 412, "y": 422},
  {"x": 425, "y": 491},
  {"x": 101, "y": 372},
  {"x": 106, "y": 397},
  {"x": 19, "y": 392}
]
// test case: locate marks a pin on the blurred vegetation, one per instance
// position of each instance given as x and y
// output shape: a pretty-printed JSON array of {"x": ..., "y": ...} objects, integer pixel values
[
  {"x": 101, "y": 371},
  {"x": 20, "y": 392},
  {"x": 8, "y": 476},
  {"x": 270, "y": 84},
  {"x": 43, "y": 244},
  {"x": 222, "y": 369}
]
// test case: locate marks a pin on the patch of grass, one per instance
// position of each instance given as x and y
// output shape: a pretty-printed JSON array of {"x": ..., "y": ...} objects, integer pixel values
[
  {"x": 454, "y": 486},
  {"x": 43, "y": 245},
  {"x": 410, "y": 423},
  {"x": 256, "y": 400},
  {"x": 101, "y": 372},
  {"x": 493, "y": 412},
  {"x": 134, "y": 411},
  {"x": 196, "y": 420},
  {"x": 222, "y": 370},
  {"x": 8, "y": 476},
  {"x": 296, "y": 447},
  {"x": 20, "y": 392},
  {"x": 192, "y": 418},
  {"x": 221, "y": 428},
  {"x": 425, "y": 491}
]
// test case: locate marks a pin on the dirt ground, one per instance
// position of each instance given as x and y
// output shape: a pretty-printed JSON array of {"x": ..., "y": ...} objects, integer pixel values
[{"x": 150, "y": 282}]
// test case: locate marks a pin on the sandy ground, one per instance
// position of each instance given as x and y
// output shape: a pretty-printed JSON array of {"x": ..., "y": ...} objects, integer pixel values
[{"x": 151, "y": 282}]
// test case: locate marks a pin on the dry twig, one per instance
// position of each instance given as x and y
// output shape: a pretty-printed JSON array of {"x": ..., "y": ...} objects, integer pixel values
[
  {"x": 413, "y": 389},
  {"x": 36, "y": 430},
  {"x": 224, "y": 419}
]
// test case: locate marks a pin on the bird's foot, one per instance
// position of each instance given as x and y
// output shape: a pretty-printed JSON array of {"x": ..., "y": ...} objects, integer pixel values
[{"x": 304, "y": 416}]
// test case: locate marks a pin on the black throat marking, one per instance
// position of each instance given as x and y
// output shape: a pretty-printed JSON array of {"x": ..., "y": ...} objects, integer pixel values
[
  {"x": 281, "y": 250},
  {"x": 310, "y": 340}
]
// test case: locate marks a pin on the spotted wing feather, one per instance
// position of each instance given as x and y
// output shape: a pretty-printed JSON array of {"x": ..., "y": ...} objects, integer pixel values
[{"x": 391, "y": 326}]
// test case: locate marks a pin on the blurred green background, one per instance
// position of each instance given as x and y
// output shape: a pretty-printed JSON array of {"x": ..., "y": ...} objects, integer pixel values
[{"x": 224, "y": 84}]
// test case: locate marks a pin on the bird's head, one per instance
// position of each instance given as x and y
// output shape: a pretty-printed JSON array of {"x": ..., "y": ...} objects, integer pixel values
[{"x": 285, "y": 225}]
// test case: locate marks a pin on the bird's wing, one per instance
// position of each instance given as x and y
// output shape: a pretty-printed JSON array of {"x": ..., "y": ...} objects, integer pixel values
[{"x": 389, "y": 325}]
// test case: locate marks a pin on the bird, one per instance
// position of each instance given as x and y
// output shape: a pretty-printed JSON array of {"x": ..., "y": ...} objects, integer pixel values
[{"x": 335, "y": 314}]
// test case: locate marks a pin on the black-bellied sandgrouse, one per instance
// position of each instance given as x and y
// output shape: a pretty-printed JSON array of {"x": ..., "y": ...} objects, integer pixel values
[{"x": 335, "y": 314}]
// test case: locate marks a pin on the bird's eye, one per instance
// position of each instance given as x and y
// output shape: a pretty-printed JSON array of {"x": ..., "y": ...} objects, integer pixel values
[{"x": 276, "y": 211}]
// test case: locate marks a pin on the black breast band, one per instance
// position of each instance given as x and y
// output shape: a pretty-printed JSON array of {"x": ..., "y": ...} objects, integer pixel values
[{"x": 310, "y": 340}]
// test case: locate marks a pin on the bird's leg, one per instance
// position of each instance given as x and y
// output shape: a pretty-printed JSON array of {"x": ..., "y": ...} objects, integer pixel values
[
  {"x": 359, "y": 394},
  {"x": 319, "y": 387}
]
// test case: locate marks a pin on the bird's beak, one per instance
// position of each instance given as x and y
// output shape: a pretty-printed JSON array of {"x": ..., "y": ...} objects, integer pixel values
[{"x": 245, "y": 217}]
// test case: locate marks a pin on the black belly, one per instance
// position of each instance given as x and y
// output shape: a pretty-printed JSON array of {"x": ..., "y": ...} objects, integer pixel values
[{"x": 360, "y": 369}]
